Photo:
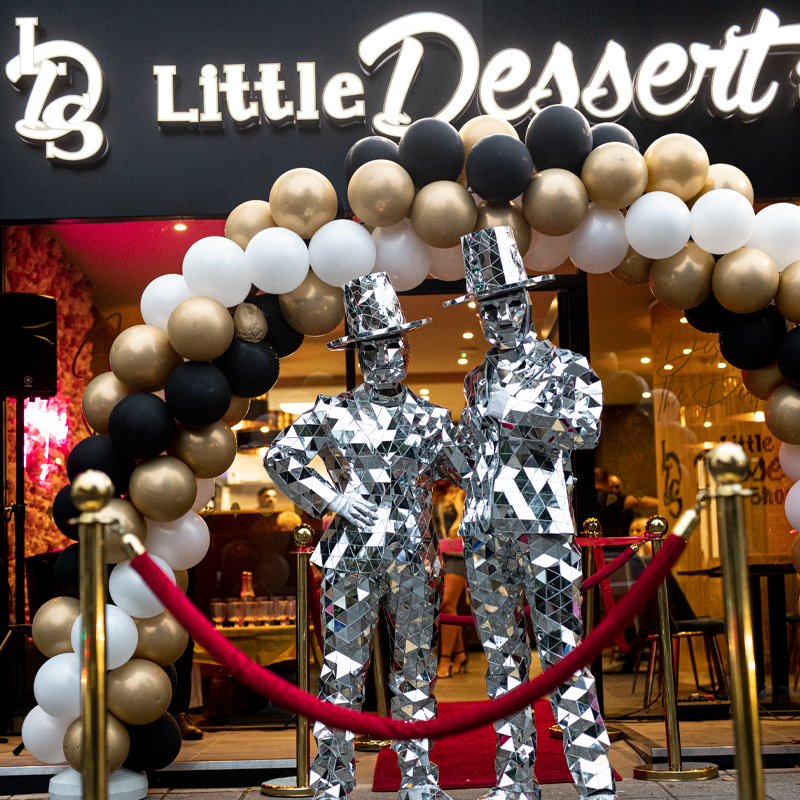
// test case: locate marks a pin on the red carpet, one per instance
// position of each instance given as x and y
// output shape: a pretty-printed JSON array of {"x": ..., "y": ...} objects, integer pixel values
[{"x": 467, "y": 760}]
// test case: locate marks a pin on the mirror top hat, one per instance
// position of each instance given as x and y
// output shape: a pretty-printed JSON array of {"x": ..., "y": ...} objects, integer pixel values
[
  {"x": 493, "y": 266},
  {"x": 372, "y": 311}
]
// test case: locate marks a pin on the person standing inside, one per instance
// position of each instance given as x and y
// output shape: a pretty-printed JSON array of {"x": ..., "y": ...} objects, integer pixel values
[
  {"x": 382, "y": 447},
  {"x": 528, "y": 406}
]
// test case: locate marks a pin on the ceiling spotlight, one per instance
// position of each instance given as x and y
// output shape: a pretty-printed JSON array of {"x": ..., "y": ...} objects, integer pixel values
[
  {"x": 424, "y": 392},
  {"x": 472, "y": 304},
  {"x": 463, "y": 361},
  {"x": 683, "y": 321},
  {"x": 687, "y": 350},
  {"x": 645, "y": 360},
  {"x": 668, "y": 367},
  {"x": 758, "y": 416},
  {"x": 706, "y": 424},
  {"x": 647, "y": 395},
  {"x": 721, "y": 365},
  {"x": 467, "y": 335},
  {"x": 180, "y": 226}
]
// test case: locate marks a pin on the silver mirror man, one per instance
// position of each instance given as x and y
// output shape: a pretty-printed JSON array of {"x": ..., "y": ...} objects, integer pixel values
[
  {"x": 382, "y": 447},
  {"x": 528, "y": 406}
]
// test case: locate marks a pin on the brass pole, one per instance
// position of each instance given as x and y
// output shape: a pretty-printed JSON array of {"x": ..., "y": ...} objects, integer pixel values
[
  {"x": 728, "y": 465},
  {"x": 90, "y": 492},
  {"x": 363, "y": 742},
  {"x": 675, "y": 769},
  {"x": 303, "y": 536}
]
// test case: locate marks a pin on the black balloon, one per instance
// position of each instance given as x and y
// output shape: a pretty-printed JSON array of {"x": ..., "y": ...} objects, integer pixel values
[
  {"x": 789, "y": 356},
  {"x": 370, "y": 148},
  {"x": 559, "y": 136},
  {"x": 197, "y": 393},
  {"x": 605, "y": 132},
  {"x": 431, "y": 150},
  {"x": 753, "y": 342},
  {"x": 155, "y": 745},
  {"x": 66, "y": 571},
  {"x": 99, "y": 452},
  {"x": 64, "y": 510},
  {"x": 499, "y": 168},
  {"x": 141, "y": 426},
  {"x": 284, "y": 339},
  {"x": 250, "y": 367},
  {"x": 710, "y": 316}
]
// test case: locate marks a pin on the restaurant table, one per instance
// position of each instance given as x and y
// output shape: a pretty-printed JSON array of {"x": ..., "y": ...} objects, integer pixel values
[
  {"x": 264, "y": 644},
  {"x": 775, "y": 573}
]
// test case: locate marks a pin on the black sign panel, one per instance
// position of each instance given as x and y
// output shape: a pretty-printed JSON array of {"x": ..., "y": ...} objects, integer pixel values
[{"x": 186, "y": 109}]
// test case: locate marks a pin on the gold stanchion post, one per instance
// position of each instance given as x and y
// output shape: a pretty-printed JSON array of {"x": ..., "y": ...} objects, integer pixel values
[
  {"x": 91, "y": 490},
  {"x": 728, "y": 465},
  {"x": 591, "y": 528},
  {"x": 674, "y": 769},
  {"x": 364, "y": 743},
  {"x": 303, "y": 537}
]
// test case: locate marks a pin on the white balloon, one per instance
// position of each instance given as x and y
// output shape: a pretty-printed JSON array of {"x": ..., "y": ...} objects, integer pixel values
[
  {"x": 792, "y": 507},
  {"x": 131, "y": 593},
  {"x": 43, "y": 736},
  {"x": 401, "y": 254},
  {"x": 789, "y": 457},
  {"x": 340, "y": 251},
  {"x": 57, "y": 686},
  {"x": 447, "y": 263},
  {"x": 161, "y": 296},
  {"x": 182, "y": 543},
  {"x": 599, "y": 244},
  {"x": 122, "y": 636},
  {"x": 777, "y": 233},
  {"x": 658, "y": 224},
  {"x": 214, "y": 267},
  {"x": 205, "y": 491},
  {"x": 722, "y": 221},
  {"x": 277, "y": 260},
  {"x": 547, "y": 252}
]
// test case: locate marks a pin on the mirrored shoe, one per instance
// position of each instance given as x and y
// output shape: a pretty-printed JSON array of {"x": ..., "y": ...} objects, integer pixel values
[{"x": 426, "y": 792}]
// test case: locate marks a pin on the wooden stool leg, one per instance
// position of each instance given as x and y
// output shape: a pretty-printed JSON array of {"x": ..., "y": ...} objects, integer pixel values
[
  {"x": 722, "y": 686},
  {"x": 694, "y": 664}
]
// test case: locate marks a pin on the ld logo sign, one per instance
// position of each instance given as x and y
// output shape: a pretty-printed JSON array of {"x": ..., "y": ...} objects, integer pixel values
[{"x": 62, "y": 122}]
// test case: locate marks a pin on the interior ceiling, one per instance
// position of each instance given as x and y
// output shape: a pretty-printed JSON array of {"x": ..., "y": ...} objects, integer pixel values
[{"x": 121, "y": 258}]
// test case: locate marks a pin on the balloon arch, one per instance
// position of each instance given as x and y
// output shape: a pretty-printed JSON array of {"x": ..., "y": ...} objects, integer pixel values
[{"x": 214, "y": 335}]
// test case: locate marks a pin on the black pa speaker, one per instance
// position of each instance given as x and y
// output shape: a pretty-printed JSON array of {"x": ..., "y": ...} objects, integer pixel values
[{"x": 28, "y": 356}]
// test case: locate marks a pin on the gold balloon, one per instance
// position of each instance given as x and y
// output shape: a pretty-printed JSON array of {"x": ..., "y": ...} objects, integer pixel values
[
  {"x": 303, "y": 200},
  {"x": 163, "y": 488},
  {"x": 99, "y": 398},
  {"x": 682, "y": 280},
  {"x": 634, "y": 269},
  {"x": 162, "y": 638},
  {"x": 52, "y": 625},
  {"x": 726, "y": 176},
  {"x": 761, "y": 383},
  {"x": 249, "y": 322},
  {"x": 130, "y": 520},
  {"x": 181, "y": 580},
  {"x": 678, "y": 164},
  {"x": 614, "y": 174},
  {"x": 490, "y": 215},
  {"x": 380, "y": 193},
  {"x": 787, "y": 298},
  {"x": 477, "y": 128},
  {"x": 237, "y": 410},
  {"x": 138, "y": 692},
  {"x": 314, "y": 307},
  {"x": 745, "y": 280},
  {"x": 141, "y": 357},
  {"x": 246, "y": 220},
  {"x": 200, "y": 328},
  {"x": 118, "y": 743},
  {"x": 555, "y": 202},
  {"x": 442, "y": 213},
  {"x": 207, "y": 451},
  {"x": 783, "y": 413}
]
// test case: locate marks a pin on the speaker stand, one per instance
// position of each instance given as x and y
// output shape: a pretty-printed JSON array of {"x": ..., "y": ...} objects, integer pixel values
[{"x": 12, "y": 648}]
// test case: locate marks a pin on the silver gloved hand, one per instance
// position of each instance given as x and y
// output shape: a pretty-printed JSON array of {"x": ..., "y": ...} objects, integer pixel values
[{"x": 355, "y": 509}]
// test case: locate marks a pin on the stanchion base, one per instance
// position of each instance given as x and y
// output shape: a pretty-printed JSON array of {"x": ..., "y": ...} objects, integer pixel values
[
  {"x": 614, "y": 734},
  {"x": 124, "y": 784},
  {"x": 689, "y": 772},
  {"x": 278, "y": 790},
  {"x": 366, "y": 744}
]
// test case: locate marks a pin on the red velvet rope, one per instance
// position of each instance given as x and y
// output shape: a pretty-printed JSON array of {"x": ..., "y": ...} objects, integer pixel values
[
  {"x": 288, "y": 696},
  {"x": 606, "y": 570}
]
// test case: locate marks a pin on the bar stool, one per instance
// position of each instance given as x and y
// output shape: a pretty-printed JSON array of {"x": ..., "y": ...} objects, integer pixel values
[
  {"x": 707, "y": 628},
  {"x": 793, "y": 621}
]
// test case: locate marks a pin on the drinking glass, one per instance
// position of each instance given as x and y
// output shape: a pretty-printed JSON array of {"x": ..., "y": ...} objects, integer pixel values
[
  {"x": 218, "y": 612},
  {"x": 236, "y": 612}
]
